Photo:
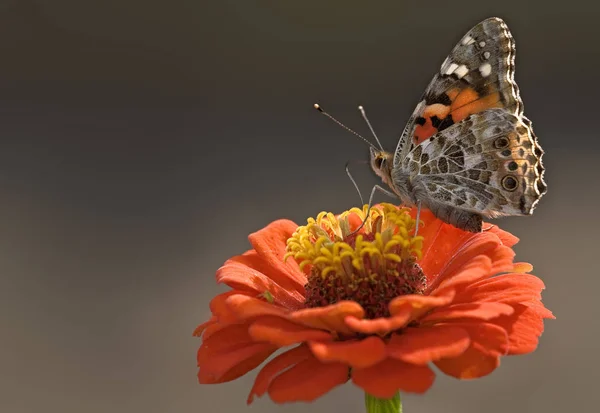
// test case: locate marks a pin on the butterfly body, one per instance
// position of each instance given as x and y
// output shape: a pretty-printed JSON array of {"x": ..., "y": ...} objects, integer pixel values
[{"x": 467, "y": 151}]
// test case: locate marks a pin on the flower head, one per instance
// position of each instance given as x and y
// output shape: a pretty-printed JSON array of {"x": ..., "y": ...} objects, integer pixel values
[{"x": 376, "y": 307}]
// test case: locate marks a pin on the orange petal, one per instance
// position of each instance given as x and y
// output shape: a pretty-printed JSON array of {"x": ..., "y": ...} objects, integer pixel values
[
  {"x": 390, "y": 376},
  {"x": 524, "y": 327},
  {"x": 218, "y": 306},
  {"x": 283, "y": 333},
  {"x": 539, "y": 309},
  {"x": 469, "y": 365},
  {"x": 270, "y": 244},
  {"x": 329, "y": 318},
  {"x": 425, "y": 344},
  {"x": 488, "y": 338},
  {"x": 227, "y": 338},
  {"x": 379, "y": 326},
  {"x": 506, "y": 288},
  {"x": 239, "y": 273},
  {"x": 481, "y": 243},
  {"x": 246, "y": 308},
  {"x": 356, "y": 353},
  {"x": 477, "y": 268},
  {"x": 418, "y": 305},
  {"x": 212, "y": 329},
  {"x": 307, "y": 381},
  {"x": 226, "y": 367},
  {"x": 480, "y": 311},
  {"x": 522, "y": 267},
  {"x": 274, "y": 367},
  {"x": 440, "y": 243},
  {"x": 506, "y": 238},
  {"x": 230, "y": 353},
  {"x": 502, "y": 259},
  {"x": 200, "y": 329}
]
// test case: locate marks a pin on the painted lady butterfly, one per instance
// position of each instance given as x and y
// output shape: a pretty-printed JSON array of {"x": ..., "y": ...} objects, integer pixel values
[{"x": 467, "y": 151}]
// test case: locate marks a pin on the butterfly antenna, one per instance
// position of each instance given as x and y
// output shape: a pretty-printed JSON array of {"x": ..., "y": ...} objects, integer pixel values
[
  {"x": 364, "y": 115},
  {"x": 317, "y": 107}
]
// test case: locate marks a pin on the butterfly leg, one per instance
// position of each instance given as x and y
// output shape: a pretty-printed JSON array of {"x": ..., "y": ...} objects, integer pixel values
[
  {"x": 417, "y": 219},
  {"x": 352, "y": 179},
  {"x": 375, "y": 188}
]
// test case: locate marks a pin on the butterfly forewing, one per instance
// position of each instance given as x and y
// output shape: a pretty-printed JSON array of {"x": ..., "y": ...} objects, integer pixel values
[{"x": 477, "y": 75}]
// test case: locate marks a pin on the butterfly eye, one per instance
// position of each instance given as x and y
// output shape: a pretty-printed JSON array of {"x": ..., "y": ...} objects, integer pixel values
[{"x": 379, "y": 161}]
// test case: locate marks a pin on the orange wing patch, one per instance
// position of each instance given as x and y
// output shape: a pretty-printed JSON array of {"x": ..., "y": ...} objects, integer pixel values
[
  {"x": 426, "y": 129},
  {"x": 464, "y": 102},
  {"x": 468, "y": 102}
]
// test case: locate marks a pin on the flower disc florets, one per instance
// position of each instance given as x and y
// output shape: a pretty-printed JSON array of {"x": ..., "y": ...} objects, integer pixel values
[{"x": 370, "y": 267}]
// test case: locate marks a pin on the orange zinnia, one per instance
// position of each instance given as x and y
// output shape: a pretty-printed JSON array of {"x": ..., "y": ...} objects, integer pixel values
[{"x": 376, "y": 307}]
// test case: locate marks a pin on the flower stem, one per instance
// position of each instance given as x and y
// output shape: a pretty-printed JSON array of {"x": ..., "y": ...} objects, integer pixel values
[{"x": 377, "y": 405}]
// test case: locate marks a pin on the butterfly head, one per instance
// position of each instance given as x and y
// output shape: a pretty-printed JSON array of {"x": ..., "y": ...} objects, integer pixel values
[{"x": 381, "y": 162}]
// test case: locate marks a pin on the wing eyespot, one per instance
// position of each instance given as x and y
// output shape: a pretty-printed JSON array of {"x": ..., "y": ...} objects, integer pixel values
[
  {"x": 501, "y": 142},
  {"x": 510, "y": 183}
]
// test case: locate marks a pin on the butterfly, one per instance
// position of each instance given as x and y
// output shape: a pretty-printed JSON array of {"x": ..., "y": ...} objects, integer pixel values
[{"x": 467, "y": 151}]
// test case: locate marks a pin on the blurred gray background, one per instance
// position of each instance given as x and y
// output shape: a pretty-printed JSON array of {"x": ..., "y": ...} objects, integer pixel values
[{"x": 142, "y": 141}]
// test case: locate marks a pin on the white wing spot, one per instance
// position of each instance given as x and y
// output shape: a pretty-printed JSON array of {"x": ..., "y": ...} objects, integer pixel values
[
  {"x": 451, "y": 68},
  {"x": 486, "y": 55},
  {"x": 442, "y": 70},
  {"x": 481, "y": 44},
  {"x": 485, "y": 69},
  {"x": 461, "y": 70},
  {"x": 468, "y": 40}
]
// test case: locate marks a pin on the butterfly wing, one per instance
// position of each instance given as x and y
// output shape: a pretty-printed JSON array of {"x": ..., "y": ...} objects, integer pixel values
[
  {"x": 477, "y": 75},
  {"x": 489, "y": 164}
]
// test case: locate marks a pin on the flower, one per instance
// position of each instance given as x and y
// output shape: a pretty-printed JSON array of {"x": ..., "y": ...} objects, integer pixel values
[{"x": 376, "y": 307}]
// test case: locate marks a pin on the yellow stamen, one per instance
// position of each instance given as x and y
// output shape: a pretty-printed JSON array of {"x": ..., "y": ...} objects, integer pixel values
[{"x": 324, "y": 243}]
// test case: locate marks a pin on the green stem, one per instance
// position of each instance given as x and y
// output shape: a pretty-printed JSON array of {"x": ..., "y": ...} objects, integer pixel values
[{"x": 377, "y": 405}]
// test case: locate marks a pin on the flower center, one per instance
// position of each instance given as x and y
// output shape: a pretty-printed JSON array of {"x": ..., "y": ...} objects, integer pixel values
[{"x": 370, "y": 267}]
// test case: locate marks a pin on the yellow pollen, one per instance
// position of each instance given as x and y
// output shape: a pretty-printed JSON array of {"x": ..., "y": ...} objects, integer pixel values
[{"x": 326, "y": 245}]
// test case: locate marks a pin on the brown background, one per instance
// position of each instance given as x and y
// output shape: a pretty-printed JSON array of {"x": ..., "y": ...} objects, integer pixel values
[{"x": 142, "y": 141}]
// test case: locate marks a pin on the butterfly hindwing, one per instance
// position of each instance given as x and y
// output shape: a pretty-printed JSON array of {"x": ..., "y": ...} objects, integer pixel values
[
  {"x": 477, "y": 75},
  {"x": 487, "y": 164}
]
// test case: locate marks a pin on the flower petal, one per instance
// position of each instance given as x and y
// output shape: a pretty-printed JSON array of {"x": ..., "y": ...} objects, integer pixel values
[
  {"x": 472, "y": 271},
  {"x": 270, "y": 244},
  {"x": 246, "y": 308},
  {"x": 522, "y": 267},
  {"x": 378, "y": 326},
  {"x": 440, "y": 243},
  {"x": 329, "y": 318},
  {"x": 524, "y": 327},
  {"x": 480, "y": 244},
  {"x": 469, "y": 365},
  {"x": 212, "y": 329},
  {"x": 506, "y": 288},
  {"x": 307, "y": 381},
  {"x": 220, "y": 309},
  {"x": 481, "y": 311},
  {"x": 229, "y": 337},
  {"x": 200, "y": 329},
  {"x": 281, "y": 333},
  {"x": 274, "y": 367},
  {"x": 418, "y": 305},
  {"x": 425, "y": 344},
  {"x": 250, "y": 274},
  {"x": 230, "y": 353},
  {"x": 355, "y": 353},
  {"x": 488, "y": 338},
  {"x": 506, "y": 238},
  {"x": 502, "y": 259},
  {"x": 390, "y": 376},
  {"x": 226, "y": 367}
]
